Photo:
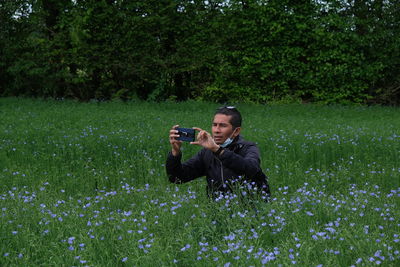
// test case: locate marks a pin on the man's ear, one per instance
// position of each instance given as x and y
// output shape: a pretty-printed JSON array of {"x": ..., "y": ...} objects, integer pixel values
[{"x": 236, "y": 132}]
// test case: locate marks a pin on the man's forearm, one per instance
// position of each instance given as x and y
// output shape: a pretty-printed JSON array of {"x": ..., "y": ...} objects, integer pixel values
[
  {"x": 173, "y": 167},
  {"x": 247, "y": 166},
  {"x": 179, "y": 172},
  {"x": 175, "y": 152}
]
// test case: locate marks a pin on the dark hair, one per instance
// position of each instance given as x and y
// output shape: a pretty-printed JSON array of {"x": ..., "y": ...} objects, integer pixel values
[{"x": 236, "y": 118}]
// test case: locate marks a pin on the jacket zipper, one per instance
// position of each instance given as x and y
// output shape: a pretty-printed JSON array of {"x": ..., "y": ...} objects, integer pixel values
[{"x": 222, "y": 172}]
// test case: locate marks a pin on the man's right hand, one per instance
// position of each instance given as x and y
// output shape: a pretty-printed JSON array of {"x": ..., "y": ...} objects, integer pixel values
[{"x": 175, "y": 144}]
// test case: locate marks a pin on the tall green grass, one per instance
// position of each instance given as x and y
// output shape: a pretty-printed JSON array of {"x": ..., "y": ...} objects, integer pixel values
[{"x": 85, "y": 184}]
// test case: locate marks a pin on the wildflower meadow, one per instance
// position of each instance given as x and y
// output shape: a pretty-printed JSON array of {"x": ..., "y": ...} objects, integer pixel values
[{"x": 84, "y": 184}]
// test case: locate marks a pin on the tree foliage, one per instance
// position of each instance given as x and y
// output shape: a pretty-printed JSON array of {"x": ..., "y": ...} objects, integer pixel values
[{"x": 333, "y": 51}]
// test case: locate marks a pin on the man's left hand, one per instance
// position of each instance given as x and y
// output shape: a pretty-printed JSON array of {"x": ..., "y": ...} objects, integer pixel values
[{"x": 205, "y": 140}]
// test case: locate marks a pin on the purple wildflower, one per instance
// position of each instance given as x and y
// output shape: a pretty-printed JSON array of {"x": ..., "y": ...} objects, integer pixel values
[{"x": 187, "y": 246}]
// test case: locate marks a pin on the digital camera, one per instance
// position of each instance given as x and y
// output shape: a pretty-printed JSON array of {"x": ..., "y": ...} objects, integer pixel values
[{"x": 186, "y": 134}]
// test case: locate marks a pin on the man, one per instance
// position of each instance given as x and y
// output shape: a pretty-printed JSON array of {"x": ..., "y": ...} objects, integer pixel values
[{"x": 225, "y": 159}]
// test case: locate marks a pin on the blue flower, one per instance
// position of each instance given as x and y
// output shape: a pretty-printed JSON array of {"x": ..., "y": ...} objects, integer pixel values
[{"x": 187, "y": 246}]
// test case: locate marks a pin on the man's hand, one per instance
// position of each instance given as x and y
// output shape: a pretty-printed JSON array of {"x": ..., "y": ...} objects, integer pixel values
[
  {"x": 205, "y": 140},
  {"x": 175, "y": 144}
]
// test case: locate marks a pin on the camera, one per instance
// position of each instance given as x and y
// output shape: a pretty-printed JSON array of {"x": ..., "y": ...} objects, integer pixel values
[{"x": 186, "y": 134}]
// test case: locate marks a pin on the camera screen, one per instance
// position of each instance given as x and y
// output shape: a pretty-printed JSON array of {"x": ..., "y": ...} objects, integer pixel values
[{"x": 186, "y": 134}]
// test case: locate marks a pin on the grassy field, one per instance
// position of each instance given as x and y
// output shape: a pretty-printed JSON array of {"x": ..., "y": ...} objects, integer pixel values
[{"x": 84, "y": 184}]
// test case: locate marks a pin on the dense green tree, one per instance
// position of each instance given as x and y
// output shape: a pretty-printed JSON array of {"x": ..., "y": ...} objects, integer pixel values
[
  {"x": 249, "y": 50},
  {"x": 13, "y": 31},
  {"x": 264, "y": 51}
]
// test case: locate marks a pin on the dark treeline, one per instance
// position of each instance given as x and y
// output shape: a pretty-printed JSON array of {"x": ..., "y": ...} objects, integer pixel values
[{"x": 332, "y": 51}]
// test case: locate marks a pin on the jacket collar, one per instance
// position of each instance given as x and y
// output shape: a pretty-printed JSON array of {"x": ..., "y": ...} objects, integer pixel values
[{"x": 236, "y": 142}]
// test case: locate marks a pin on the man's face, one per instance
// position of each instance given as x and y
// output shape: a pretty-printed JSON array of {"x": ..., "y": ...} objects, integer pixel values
[{"x": 222, "y": 129}]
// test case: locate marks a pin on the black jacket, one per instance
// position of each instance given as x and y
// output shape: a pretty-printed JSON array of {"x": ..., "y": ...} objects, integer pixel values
[{"x": 240, "y": 161}]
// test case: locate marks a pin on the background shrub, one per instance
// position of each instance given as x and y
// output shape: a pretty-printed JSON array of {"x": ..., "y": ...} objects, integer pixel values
[{"x": 257, "y": 51}]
